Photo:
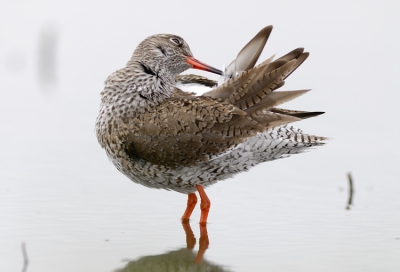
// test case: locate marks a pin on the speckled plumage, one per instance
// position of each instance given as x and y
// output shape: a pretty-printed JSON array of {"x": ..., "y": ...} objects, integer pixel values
[{"x": 162, "y": 137}]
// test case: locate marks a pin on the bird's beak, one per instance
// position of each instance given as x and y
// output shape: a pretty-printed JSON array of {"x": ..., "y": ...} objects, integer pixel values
[{"x": 202, "y": 66}]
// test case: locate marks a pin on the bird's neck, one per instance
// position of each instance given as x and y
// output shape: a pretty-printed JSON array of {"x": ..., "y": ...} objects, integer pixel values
[
  {"x": 137, "y": 87},
  {"x": 128, "y": 93}
]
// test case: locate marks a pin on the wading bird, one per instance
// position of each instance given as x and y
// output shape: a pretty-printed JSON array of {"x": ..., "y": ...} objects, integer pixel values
[{"x": 161, "y": 136}]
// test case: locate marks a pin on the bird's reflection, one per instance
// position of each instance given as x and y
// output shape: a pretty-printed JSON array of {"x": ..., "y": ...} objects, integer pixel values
[{"x": 183, "y": 259}]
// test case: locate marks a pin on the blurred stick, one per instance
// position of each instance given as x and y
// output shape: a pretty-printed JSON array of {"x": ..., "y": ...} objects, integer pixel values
[
  {"x": 349, "y": 203},
  {"x": 25, "y": 255},
  {"x": 47, "y": 55}
]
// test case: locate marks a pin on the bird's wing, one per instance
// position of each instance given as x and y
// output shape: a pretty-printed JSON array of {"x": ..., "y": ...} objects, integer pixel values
[
  {"x": 195, "y": 79},
  {"x": 253, "y": 90},
  {"x": 250, "y": 53},
  {"x": 183, "y": 131},
  {"x": 187, "y": 130}
]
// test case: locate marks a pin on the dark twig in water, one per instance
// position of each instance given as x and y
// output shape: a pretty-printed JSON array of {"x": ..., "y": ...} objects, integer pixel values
[
  {"x": 25, "y": 255},
  {"x": 349, "y": 203}
]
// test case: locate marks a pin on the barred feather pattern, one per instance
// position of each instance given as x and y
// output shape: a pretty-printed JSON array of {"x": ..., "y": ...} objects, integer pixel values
[{"x": 276, "y": 143}]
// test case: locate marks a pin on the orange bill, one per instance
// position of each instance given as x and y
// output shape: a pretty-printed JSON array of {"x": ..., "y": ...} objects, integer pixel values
[{"x": 202, "y": 66}]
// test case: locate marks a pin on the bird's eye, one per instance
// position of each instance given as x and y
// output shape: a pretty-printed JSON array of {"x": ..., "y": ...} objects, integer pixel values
[{"x": 176, "y": 41}]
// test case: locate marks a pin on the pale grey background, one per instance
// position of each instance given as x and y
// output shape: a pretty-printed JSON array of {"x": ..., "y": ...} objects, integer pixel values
[{"x": 75, "y": 212}]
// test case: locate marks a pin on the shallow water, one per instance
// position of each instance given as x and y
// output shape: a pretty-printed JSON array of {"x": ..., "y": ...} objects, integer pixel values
[{"x": 62, "y": 198}]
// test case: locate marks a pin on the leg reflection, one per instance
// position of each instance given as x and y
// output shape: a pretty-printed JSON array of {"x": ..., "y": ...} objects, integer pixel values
[
  {"x": 191, "y": 240},
  {"x": 203, "y": 243}
]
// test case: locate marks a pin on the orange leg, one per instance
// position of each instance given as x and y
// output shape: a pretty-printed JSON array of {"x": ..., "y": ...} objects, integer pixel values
[
  {"x": 204, "y": 206},
  {"x": 191, "y": 203}
]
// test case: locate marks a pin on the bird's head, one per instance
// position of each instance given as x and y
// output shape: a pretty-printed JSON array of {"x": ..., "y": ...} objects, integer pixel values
[{"x": 170, "y": 53}]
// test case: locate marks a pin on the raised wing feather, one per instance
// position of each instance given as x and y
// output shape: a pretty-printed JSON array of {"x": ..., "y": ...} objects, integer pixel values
[
  {"x": 195, "y": 79},
  {"x": 250, "y": 53}
]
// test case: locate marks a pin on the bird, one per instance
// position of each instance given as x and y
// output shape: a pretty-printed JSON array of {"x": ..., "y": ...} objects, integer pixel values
[{"x": 162, "y": 136}]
